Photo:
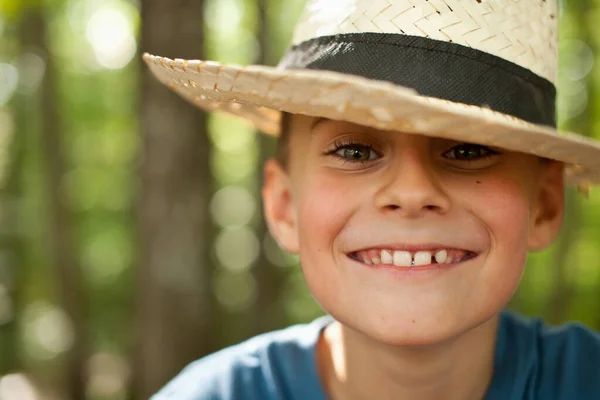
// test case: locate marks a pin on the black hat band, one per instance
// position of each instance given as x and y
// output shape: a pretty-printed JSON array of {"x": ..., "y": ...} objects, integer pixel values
[{"x": 433, "y": 68}]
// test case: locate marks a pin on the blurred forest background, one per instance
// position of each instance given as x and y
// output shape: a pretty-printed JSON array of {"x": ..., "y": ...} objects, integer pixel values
[{"x": 131, "y": 236}]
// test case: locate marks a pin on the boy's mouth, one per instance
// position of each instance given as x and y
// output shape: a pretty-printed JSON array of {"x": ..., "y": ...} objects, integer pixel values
[{"x": 407, "y": 259}]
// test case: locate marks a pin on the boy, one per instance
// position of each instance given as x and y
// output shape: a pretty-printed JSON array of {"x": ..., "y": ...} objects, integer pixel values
[{"x": 412, "y": 211}]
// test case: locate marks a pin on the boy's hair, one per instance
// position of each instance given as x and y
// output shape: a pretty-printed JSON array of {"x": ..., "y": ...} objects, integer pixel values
[{"x": 282, "y": 151}]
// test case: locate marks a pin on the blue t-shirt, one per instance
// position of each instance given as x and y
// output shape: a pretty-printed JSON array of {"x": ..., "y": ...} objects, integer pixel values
[{"x": 532, "y": 362}]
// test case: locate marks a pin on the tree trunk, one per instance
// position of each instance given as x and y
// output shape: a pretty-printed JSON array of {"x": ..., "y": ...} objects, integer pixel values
[
  {"x": 61, "y": 239},
  {"x": 174, "y": 297},
  {"x": 270, "y": 278},
  {"x": 12, "y": 240},
  {"x": 13, "y": 247}
]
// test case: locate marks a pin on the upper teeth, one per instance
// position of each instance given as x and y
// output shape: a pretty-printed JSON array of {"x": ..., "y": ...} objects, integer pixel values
[
  {"x": 422, "y": 258},
  {"x": 402, "y": 259},
  {"x": 441, "y": 256},
  {"x": 406, "y": 258},
  {"x": 386, "y": 257}
]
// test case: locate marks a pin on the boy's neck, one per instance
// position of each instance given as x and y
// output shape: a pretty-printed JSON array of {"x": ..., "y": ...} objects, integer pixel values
[{"x": 353, "y": 366}]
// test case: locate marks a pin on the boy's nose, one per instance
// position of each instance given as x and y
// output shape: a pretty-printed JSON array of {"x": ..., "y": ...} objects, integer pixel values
[{"x": 411, "y": 187}]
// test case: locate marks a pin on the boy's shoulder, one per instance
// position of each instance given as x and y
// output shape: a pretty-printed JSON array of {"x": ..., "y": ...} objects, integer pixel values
[
  {"x": 535, "y": 361},
  {"x": 269, "y": 366},
  {"x": 562, "y": 342}
]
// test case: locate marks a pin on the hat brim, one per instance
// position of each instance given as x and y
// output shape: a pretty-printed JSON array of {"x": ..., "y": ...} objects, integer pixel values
[{"x": 259, "y": 94}]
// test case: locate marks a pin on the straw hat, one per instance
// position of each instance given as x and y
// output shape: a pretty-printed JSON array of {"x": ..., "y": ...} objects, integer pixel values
[{"x": 479, "y": 71}]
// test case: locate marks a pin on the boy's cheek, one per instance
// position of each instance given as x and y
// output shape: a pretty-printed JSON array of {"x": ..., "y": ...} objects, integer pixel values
[
  {"x": 326, "y": 202},
  {"x": 502, "y": 201},
  {"x": 505, "y": 210},
  {"x": 322, "y": 211}
]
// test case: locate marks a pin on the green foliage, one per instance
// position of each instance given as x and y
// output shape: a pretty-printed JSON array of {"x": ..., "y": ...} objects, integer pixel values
[{"x": 11, "y": 9}]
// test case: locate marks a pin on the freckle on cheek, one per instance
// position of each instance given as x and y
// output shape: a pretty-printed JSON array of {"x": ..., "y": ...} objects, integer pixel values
[{"x": 478, "y": 182}]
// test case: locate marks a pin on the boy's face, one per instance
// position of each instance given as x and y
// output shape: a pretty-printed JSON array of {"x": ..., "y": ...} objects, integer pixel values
[{"x": 350, "y": 194}]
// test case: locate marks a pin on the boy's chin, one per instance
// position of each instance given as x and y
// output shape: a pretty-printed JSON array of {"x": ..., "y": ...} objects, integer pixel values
[
  {"x": 411, "y": 332},
  {"x": 410, "y": 337}
]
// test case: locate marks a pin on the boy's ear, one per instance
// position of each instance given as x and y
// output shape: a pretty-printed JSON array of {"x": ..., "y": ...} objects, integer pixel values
[
  {"x": 547, "y": 217},
  {"x": 279, "y": 208}
]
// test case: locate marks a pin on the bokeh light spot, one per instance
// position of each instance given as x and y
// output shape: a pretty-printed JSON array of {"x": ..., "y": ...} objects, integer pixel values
[
  {"x": 107, "y": 255},
  {"x": 91, "y": 188},
  {"x": 235, "y": 291},
  {"x": 230, "y": 134},
  {"x": 572, "y": 99},
  {"x": 108, "y": 375},
  {"x": 232, "y": 206},
  {"x": 111, "y": 35},
  {"x": 577, "y": 57},
  {"x": 48, "y": 331},
  {"x": 223, "y": 15},
  {"x": 17, "y": 386},
  {"x": 9, "y": 79},
  {"x": 237, "y": 248}
]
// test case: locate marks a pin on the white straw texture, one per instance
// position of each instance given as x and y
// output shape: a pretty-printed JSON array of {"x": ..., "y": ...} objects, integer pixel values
[{"x": 521, "y": 31}]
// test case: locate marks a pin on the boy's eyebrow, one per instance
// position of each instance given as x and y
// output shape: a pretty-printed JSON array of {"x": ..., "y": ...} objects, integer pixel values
[{"x": 318, "y": 121}]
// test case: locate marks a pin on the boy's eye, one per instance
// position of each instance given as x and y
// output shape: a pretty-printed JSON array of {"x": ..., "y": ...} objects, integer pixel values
[
  {"x": 468, "y": 152},
  {"x": 355, "y": 153}
]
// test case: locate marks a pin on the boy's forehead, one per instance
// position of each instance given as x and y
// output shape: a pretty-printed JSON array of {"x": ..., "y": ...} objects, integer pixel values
[
  {"x": 309, "y": 124},
  {"x": 304, "y": 127},
  {"x": 306, "y": 121}
]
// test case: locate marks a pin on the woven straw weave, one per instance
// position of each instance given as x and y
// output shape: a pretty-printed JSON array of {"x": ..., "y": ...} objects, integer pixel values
[{"x": 521, "y": 31}]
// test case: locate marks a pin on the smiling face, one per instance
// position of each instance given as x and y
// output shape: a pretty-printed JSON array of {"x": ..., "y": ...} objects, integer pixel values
[{"x": 409, "y": 239}]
